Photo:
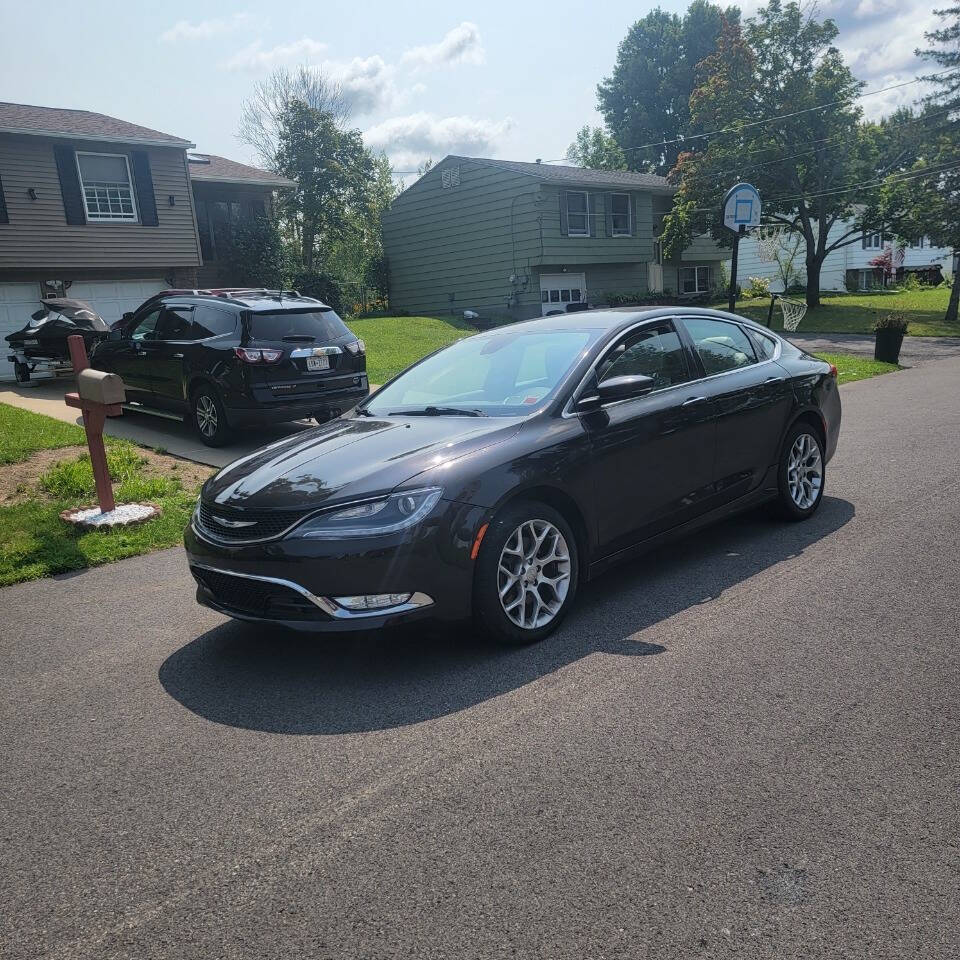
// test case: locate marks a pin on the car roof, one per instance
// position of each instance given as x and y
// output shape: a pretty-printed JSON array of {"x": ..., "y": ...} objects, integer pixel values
[
  {"x": 257, "y": 300},
  {"x": 614, "y": 321}
]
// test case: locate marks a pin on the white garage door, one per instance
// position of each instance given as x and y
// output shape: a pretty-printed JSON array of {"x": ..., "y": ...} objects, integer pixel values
[{"x": 110, "y": 299}]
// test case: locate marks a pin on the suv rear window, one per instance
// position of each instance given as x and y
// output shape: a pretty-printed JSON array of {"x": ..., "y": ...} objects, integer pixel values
[{"x": 321, "y": 325}]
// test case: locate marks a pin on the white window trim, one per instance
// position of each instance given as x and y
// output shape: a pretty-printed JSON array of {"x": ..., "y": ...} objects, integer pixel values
[
  {"x": 696, "y": 291},
  {"x": 95, "y": 218},
  {"x": 613, "y": 230},
  {"x": 585, "y": 214}
]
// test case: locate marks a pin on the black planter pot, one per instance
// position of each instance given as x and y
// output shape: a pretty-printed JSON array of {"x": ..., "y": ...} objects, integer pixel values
[{"x": 887, "y": 347}]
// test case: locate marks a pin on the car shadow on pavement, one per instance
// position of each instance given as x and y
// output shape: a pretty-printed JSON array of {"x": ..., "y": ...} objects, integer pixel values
[{"x": 248, "y": 676}]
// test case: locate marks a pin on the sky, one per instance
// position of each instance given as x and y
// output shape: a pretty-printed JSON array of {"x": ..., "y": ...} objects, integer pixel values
[{"x": 500, "y": 79}]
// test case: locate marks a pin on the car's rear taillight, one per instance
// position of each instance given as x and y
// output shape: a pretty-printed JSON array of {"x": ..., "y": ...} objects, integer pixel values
[
  {"x": 833, "y": 371},
  {"x": 357, "y": 347},
  {"x": 257, "y": 355}
]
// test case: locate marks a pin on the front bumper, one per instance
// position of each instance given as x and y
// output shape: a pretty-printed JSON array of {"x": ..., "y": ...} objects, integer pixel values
[{"x": 292, "y": 581}]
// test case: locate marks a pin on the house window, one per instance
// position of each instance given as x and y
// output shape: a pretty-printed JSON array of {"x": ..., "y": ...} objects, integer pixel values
[
  {"x": 578, "y": 222},
  {"x": 620, "y": 214},
  {"x": 694, "y": 280},
  {"x": 107, "y": 187},
  {"x": 917, "y": 242},
  {"x": 450, "y": 177},
  {"x": 872, "y": 241}
]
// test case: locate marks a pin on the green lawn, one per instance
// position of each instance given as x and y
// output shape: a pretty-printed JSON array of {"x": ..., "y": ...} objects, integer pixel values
[
  {"x": 850, "y": 367},
  {"x": 393, "y": 343},
  {"x": 35, "y": 542},
  {"x": 856, "y": 312}
]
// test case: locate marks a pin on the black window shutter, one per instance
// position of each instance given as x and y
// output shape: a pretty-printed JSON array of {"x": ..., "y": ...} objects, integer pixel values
[
  {"x": 143, "y": 181},
  {"x": 70, "y": 185},
  {"x": 4, "y": 216},
  {"x": 608, "y": 220},
  {"x": 564, "y": 229},
  {"x": 593, "y": 202}
]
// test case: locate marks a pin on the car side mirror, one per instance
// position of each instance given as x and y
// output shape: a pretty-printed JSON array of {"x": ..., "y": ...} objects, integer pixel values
[{"x": 624, "y": 388}]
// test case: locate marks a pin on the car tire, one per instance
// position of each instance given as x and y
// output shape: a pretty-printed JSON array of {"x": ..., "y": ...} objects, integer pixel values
[
  {"x": 208, "y": 417},
  {"x": 21, "y": 373},
  {"x": 532, "y": 606},
  {"x": 801, "y": 476}
]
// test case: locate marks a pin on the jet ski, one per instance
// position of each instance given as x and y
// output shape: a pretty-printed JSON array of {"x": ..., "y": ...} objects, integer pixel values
[{"x": 43, "y": 341}]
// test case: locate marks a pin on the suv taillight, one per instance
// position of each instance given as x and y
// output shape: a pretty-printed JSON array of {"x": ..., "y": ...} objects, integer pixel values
[
  {"x": 357, "y": 347},
  {"x": 257, "y": 355}
]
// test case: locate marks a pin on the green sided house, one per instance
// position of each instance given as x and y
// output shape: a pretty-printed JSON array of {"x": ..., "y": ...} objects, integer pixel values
[{"x": 517, "y": 240}]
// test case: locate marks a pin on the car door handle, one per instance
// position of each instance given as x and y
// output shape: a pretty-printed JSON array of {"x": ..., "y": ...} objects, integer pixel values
[
  {"x": 176, "y": 356},
  {"x": 690, "y": 401},
  {"x": 774, "y": 380}
]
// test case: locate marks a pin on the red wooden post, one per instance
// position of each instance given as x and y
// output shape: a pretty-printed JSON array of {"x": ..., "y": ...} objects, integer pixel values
[{"x": 94, "y": 416}]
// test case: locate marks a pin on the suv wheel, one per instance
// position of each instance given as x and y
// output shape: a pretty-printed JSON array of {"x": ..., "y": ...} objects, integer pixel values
[
  {"x": 802, "y": 473},
  {"x": 526, "y": 575},
  {"x": 209, "y": 417}
]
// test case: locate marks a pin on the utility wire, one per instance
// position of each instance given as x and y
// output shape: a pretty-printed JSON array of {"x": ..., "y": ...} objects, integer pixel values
[{"x": 724, "y": 131}]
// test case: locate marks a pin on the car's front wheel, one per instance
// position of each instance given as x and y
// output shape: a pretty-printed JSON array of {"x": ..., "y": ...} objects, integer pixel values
[
  {"x": 526, "y": 576},
  {"x": 209, "y": 417},
  {"x": 802, "y": 472}
]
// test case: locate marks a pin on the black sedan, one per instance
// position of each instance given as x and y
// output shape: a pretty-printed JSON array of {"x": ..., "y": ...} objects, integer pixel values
[{"x": 496, "y": 475}]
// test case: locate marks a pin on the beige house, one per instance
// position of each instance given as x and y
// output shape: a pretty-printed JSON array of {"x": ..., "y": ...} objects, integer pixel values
[{"x": 106, "y": 211}]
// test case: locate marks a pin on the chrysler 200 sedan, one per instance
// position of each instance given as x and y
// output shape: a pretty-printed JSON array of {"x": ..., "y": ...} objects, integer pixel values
[{"x": 496, "y": 475}]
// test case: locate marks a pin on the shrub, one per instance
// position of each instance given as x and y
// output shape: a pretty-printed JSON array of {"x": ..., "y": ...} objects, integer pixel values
[
  {"x": 757, "y": 287},
  {"x": 892, "y": 321},
  {"x": 256, "y": 256},
  {"x": 321, "y": 286}
]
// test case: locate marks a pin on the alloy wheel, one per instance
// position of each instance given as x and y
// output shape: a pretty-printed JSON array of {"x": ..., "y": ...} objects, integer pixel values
[
  {"x": 206, "y": 415},
  {"x": 804, "y": 471},
  {"x": 533, "y": 576}
]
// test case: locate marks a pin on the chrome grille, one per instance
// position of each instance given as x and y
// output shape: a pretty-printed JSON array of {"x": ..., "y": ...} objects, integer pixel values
[{"x": 219, "y": 523}]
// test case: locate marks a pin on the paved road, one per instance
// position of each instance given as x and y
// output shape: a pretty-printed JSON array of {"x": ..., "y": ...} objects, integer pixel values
[
  {"x": 915, "y": 350},
  {"x": 741, "y": 747}
]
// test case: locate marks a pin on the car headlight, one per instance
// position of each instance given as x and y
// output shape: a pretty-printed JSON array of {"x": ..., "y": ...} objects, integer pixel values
[{"x": 371, "y": 518}]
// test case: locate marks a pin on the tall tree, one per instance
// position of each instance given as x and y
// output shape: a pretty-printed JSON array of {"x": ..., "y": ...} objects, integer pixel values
[
  {"x": 595, "y": 148},
  {"x": 814, "y": 167},
  {"x": 332, "y": 170},
  {"x": 646, "y": 98}
]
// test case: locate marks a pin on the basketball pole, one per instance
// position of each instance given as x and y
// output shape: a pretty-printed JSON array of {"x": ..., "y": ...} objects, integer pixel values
[{"x": 732, "y": 296}]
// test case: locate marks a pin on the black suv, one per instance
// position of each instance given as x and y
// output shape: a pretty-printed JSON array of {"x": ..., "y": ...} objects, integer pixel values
[{"x": 232, "y": 358}]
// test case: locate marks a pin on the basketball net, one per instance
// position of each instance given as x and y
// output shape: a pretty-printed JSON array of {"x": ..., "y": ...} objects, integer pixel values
[
  {"x": 768, "y": 242},
  {"x": 793, "y": 312}
]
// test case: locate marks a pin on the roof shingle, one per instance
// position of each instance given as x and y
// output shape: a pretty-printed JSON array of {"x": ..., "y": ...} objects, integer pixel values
[
  {"x": 80, "y": 124},
  {"x": 585, "y": 176},
  {"x": 206, "y": 166}
]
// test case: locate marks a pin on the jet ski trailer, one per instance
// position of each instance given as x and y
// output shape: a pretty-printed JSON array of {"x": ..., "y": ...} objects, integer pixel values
[{"x": 42, "y": 344}]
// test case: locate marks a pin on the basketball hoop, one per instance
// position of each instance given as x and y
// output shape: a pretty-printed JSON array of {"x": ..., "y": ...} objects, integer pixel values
[
  {"x": 793, "y": 312},
  {"x": 769, "y": 241}
]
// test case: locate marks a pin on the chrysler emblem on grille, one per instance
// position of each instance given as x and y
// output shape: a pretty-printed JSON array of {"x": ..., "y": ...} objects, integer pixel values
[{"x": 234, "y": 524}]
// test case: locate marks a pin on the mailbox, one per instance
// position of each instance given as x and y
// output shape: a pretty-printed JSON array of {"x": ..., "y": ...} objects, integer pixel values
[{"x": 98, "y": 386}]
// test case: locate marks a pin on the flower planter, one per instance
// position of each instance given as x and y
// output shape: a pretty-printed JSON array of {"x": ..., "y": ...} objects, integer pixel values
[{"x": 887, "y": 346}]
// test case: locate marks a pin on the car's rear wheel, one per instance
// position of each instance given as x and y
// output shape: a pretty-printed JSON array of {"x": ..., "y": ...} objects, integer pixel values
[
  {"x": 526, "y": 575},
  {"x": 802, "y": 472},
  {"x": 209, "y": 417}
]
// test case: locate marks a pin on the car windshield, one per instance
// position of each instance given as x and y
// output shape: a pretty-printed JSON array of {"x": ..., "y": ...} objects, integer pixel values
[
  {"x": 319, "y": 326},
  {"x": 506, "y": 373}
]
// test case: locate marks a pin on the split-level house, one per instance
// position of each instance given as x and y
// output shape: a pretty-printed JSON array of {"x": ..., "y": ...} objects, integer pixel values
[
  {"x": 516, "y": 240},
  {"x": 107, "y": 211}
]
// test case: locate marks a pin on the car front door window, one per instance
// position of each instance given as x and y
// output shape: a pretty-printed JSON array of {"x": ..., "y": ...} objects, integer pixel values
[
  {"x": 146, "y": 327},
  {"x": 655, "y": 351}
]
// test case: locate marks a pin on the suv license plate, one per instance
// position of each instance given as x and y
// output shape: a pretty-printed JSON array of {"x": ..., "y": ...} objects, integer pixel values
[{"x": 318, "y": 363}]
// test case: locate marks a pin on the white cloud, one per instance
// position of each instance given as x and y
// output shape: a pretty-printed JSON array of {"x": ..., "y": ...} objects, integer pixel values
[
  {"x": 253, "y": 57},
  {"x": 411, "y": 139},
  {"x": 205, "y": 29},
  {"x": 462, "y": 44},
  {"x": 367, "y": 82}
]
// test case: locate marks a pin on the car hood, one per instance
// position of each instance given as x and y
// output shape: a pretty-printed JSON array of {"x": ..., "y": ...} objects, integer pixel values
[{"x": 350, "y": 458}]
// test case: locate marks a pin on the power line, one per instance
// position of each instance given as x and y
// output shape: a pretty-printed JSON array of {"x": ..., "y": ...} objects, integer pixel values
[{"x": 784, "y": 116}]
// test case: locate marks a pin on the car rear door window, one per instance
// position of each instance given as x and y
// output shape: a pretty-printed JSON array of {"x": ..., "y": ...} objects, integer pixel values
[
  {"x": 765, "y": 346},
  {"x": 654, "y": 351},
  {"x": 317, "y": 326},
  {"x": 210, "y": 322},
  {"x": 720, "y": 344}
]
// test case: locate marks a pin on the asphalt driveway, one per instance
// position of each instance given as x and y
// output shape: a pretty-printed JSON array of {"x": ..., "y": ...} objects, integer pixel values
[{"x": 741, "y": 746}]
